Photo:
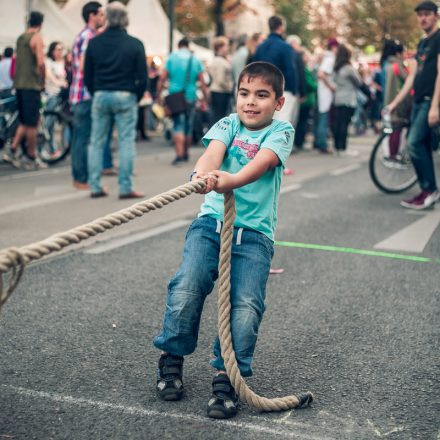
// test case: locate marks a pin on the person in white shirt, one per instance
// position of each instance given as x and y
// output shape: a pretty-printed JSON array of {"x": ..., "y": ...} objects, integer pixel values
[
  {"x": 55, "y": 70},
  {"x": 222, "y": 82},
  {"x": 5, "y": 71},
  {"x": 325, "y": 95},
  {"x": 55, "y": 81}
]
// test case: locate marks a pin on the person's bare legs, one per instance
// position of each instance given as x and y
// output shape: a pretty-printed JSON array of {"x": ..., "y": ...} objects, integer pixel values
[
  {"x": 19, "y": 135},
  {"x": 31, "y": 141},
  {"x": 30, "y": 133}
]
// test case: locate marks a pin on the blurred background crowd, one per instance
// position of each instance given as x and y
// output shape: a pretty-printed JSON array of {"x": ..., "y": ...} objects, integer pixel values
[{"x": 342, "y": 63}]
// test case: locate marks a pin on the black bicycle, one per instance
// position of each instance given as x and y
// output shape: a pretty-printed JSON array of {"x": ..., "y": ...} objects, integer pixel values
[
  {"x": 392, "y": 171},
  {"x": 8, "y": 118},
  {"x": 54, "y": 129}
]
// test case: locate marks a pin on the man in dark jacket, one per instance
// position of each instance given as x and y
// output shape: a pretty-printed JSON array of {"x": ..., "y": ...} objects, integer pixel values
[
  {"x": 115, "y": 73},
  {"x": 276, "y": 51}
]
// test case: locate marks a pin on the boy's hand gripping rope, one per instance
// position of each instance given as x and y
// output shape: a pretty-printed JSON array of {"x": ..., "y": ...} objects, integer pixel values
[{"x": 15, "y": 259}]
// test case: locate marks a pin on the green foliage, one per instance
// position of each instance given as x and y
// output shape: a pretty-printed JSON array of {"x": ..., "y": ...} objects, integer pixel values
[
  {"x": 193, "y": 17},
  {"x": 295, "y": 13},
  {"x": 371, "y": 21}
]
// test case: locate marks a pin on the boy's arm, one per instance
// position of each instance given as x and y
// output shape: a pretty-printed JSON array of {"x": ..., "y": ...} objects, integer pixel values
[
  {"x": 264, "y": 160},
  {"x": 210, "y": 160}
]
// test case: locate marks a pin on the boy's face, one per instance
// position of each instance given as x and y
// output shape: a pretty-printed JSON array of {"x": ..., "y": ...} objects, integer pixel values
[{"x": 256, "y": 102}]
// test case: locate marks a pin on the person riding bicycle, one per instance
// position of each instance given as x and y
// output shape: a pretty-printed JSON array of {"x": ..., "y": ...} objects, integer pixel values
[{"x": 424, "y": 79}]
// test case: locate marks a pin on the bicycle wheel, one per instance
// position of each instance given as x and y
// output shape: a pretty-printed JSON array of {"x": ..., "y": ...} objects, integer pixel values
[
  {"x": 391, "y": 174},
  {"x": 55, "y": 137}
]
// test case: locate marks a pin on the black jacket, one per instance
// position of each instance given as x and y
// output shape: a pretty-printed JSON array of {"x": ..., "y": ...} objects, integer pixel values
[
  {"x": 276, "y": 51},
  {"x": 115, "y": 61}
]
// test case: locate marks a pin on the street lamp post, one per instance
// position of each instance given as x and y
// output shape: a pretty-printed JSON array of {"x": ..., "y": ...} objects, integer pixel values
[{"x": 172, "y": 15}]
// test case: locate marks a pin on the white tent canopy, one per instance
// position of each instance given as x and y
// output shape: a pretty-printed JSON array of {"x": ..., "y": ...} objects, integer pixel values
[
  {"x": 147, "y": 21},
  {"x": 13, "y": 22}
]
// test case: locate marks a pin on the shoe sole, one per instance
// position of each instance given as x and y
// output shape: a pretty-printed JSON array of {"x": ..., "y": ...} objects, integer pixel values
[
  {"x": 417, "y": 207},
  {"x": 214, "y": 413},
  {"x": 170, "y": 397}
]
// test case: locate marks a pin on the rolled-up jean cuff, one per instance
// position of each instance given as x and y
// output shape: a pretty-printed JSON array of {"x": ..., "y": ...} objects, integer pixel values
[{"x": 219, "y": 365}]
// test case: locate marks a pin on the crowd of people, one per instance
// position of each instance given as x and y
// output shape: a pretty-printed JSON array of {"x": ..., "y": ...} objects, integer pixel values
[{"x": 325, "y": 91}]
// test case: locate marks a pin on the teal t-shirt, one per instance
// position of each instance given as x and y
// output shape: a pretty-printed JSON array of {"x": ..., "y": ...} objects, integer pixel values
[
  {"x": 257, "y": 202},
  {"x": 177, "y": 65}
]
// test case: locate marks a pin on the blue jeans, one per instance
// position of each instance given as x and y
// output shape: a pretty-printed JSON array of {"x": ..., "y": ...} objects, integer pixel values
[
  {"x": 82, "y": 124},
  {"x": 51, "y": 104},
  {"x": 321, "y": 130},
  {"x": 420, "y": 144},
  {"x": 122, "y": 107},
  {"x": 250, "y": 263},
  {"x": 107, "y": 159}
]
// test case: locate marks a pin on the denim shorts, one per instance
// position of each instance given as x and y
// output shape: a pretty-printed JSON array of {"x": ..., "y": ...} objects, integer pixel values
[
  {"x": 252, "y": 253},
  {"x": 184, "y": 122}
]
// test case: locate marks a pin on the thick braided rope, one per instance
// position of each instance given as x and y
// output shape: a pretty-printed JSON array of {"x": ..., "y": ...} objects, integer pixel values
[
  {"x": 16, "y": 258},
  {"x": 224, "y": 326}
]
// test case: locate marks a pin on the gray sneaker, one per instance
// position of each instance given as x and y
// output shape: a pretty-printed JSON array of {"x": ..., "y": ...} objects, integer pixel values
[
  {"x": 26, "y": 163},
  {"x": 11, "y": 156},
  {"x": 40, "y": 164},
  {"x": 29, "y": 164}
]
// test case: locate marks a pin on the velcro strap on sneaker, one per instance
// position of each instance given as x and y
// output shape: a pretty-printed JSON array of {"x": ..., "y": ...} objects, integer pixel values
[
  {"x": 221, "y": 387},
  {"x": 174, "y": 361},
  {"x": 175, "y": 370}
]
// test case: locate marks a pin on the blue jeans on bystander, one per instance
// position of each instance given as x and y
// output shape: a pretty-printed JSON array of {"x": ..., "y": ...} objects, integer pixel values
[
  {"x": 122, "y": 107},
  {"x": 321, "y": 130},
  {"x": 82, "y": 124},
  {"x": 252, "y": 253},
  {"x": 420, "y": 143}
]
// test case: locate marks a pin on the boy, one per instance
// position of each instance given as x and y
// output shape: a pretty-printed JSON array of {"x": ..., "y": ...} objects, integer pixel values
[{"x": 246, "y": 152}]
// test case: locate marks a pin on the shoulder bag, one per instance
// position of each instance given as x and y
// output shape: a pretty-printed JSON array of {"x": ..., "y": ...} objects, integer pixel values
[{"x": 176, "y": 103}]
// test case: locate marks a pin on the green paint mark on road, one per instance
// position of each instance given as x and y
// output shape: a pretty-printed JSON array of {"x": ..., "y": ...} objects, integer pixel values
[{"x": 320, "y": 247}]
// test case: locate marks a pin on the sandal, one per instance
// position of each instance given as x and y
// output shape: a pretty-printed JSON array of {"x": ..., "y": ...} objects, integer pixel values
[
  {"x": 169, "y": 377},
  {"x": 223, "y": 403}
]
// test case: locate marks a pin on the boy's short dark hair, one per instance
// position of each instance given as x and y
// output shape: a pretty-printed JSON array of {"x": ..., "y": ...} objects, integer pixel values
[
  {"x": 35, "y": 19},
  {"x": 90, "y": 8},
  {"x": 275, "y": 22},
  {"x": 268, "y": 72}
]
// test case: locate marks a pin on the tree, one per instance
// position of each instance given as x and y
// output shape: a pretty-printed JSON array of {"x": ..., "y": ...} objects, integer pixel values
[
  {"x": 296, "y": 15},
  {"x": 327, "y": 19},
  {"x": 370, "y": 22},
  {"x": 195, "y": 17}
]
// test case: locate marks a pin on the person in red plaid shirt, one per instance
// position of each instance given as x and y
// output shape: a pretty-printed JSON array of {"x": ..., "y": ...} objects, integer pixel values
[{"x": 80, "y": 99}]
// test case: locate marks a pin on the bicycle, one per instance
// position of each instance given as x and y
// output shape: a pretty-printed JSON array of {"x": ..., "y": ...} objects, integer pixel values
[
  {"x": 392, "y": 172},
  {"x": 54, "y": 129},
  {"x": 8, "y": 118}
]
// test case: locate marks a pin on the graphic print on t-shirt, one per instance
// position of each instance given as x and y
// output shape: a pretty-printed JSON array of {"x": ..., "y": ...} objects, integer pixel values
[{"x": 243, "y": 149}]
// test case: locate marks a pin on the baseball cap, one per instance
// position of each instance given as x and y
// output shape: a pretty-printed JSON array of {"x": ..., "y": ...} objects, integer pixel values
[{"x": 426, "y": 6}]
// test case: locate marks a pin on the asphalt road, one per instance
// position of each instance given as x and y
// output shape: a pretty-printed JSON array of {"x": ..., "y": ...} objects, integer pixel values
[{"x": 359, "y": 331}]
